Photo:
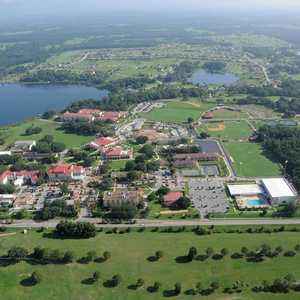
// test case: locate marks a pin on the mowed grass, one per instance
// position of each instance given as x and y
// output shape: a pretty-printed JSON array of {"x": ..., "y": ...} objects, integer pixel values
[
  {"x": 224, "y": 114},
  {"x": 16, "y": 133},
  {"x": 249, "y": 160},
  {"x": 118, "y": 165},
  {"x": 129, "y": 259},
  {"x": 178, "y": 111},
  {"x": 234, "y": 130}
]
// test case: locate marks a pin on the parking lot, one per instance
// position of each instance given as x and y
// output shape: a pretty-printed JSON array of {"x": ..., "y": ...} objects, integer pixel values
[{"x": 208, "y": 196}]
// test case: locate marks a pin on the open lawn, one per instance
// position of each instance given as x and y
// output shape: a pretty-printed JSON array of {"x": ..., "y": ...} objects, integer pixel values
[
  {"x": 233, "y": 130},
  {"x": 118, "y": 165},
  {"x": 178, "y": 111},
  {"x": 224, "y": 114},
  {"x": 16, "y": 132},
  {"x": 296, "y": 77},
  {"x": 249, "y": 160},
  {"x": 129, "y": 259}
]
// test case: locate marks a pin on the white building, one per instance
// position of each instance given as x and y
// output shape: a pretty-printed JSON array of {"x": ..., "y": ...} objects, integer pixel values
[
  {"x": 279, "y": 190},
  {"x": 7, "y": 200},
  {"x": 244, "y": 190}
]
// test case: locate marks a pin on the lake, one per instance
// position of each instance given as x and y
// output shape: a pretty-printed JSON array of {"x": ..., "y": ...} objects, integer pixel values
[
  {"x": 204, "y": 78},
  {"x": 18, "y": 102}
]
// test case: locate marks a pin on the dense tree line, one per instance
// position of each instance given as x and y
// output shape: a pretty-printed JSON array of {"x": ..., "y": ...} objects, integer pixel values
[
  {"x": 56, "y": 208},
  {"x": 128, "y": 83},
  {"x": 123, "y": 99},
  {"x": 181, "y": 72},
  {"x": 288, "y": 88},
  {"x": 81, "y": 127},
  {"x": 283, "y": 144},
  {"x": 80, "y": 230},
  {"x": 48, "y": 145},
  {"x": 60, "y": 76}
]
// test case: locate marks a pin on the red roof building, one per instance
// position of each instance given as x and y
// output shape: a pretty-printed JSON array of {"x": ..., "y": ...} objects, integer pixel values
[
  {"x": 209, "y": 115},
  {"x": 102, "y": 143},
  {"x": 172, "y": 197},
  {"x": 87, "y": 111},
  {"x": 94, "y": 114},
  {"x": 113, "y": 116},
  {"x": 68, "y": 116},
  {"x": 20, "y": 178},
  {"x": 4, "y": 177},
  {"x": 66, "y": 172},
  {"x": 117, "y": 153}
]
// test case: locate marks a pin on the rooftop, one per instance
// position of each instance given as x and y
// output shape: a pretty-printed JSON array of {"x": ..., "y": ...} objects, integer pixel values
[
  {"x": 278, "y": 187},
  {"x": 244, "y": 189},
  {"x": 172, "y": 197}
]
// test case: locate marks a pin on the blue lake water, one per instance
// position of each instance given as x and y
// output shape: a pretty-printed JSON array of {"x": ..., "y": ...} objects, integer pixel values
[
  {"x": 204, "y": 78},
  {"x": 18, "y": 102}
]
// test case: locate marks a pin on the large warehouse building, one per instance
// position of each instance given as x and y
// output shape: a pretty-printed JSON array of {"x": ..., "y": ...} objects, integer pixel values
[{"x": 279, "y": 190}]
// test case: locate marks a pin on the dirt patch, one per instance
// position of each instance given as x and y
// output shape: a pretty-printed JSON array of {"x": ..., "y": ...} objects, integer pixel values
[
  {"x": 7, "y": 234},
  {"x": 219, "y": 127},
  {"x": 194, "y": 104}
]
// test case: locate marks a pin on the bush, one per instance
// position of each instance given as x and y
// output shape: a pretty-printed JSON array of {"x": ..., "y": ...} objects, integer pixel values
[
  {"x": 289, "y": 253},
  {"x": 116, "y": 280},
  {"x": 68, "y": 257},
  {"x": 106, "y": 255},
  {"x": 159, "y": 254},
  {"x": 75, "y": 230},
  {"x": 17, "y": 253},
  {"x": 35, "y": 278}
]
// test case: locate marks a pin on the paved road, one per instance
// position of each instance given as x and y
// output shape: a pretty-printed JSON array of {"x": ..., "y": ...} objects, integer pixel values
[{"x": 164, "y": 223}]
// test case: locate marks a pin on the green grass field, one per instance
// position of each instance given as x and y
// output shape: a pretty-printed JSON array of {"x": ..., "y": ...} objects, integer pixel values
[
  {"x": 176, "y": 111},
  {"x": 118, "y": 165},
  {"x": 234, "y": 130},
  {"x": 129, "y": 259},
  {"x": 296, "y": 77},
  {"x": 16, "y": 132},
  {"x": 248, "y": 160},
  {"x": 224, "y": 114}
]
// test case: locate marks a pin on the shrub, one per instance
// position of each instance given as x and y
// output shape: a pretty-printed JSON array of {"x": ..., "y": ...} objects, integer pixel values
[
  {"x": 106, "y": 255},
  {"x": 35, "y": 278},
  {"x": 96, "y": 276},
  {"x": 289, "y": 253},
  {"x": 156, "y": 286}
]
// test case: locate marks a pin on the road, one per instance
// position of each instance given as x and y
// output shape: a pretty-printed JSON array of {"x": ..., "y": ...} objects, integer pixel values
[
  {"x": 163, "y": 223},
  {"x": 262, "y": 67}
]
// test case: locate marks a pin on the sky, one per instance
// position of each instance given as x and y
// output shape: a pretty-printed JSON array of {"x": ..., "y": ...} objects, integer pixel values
[{"x": 60, "y": 7}]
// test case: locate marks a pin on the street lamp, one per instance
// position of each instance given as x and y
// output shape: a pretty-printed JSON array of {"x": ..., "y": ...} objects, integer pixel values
[{"x": 285, "y": 166}]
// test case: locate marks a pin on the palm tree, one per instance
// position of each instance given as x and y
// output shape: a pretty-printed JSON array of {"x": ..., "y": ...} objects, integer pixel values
[
  {"x": 96, "y": 276},
  {"x": 156, "y": 286},
  {"x": 106, "y": 255},
  {"x": 159, "y": 254}
]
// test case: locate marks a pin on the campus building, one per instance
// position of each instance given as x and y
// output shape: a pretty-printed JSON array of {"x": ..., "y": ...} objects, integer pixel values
[
  {"x": 117, "y": 153},
  {"x": 115, "y": 199},
  {"x": 102, "y": 143},
  {"x": 279, "y": 190},
  {"x": 274, "y": 191},
  {"x": 19, "y": 178},
  {"x": 92, "y": 115},
  {"x": 65, "y": 172}
]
